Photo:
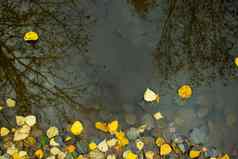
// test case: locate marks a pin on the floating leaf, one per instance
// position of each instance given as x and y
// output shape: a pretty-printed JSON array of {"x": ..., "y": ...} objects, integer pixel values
[
  {"x": 20, "y": 120},
  {"x": 12, "y": 150},
  {"x": 22, "y": 133},
  {"x": 113, "y": 126},
  {"x": 77, "y": 128},
  {"x": 22, "y": 154},
  {"x": 185, "y": 91},
  {"x": 129, "y": 155},
  {"x": 67, "y": 138},
  {"x": 139, "y": 144},
  {"x": 11, "y": 103},
  {"x": 52, "y": 132},
  {"x": 150, "y": 96},
  {"x": 31, "y": 36},
  {"x": 112, "y": 142},
  {"x": 39, "y": 153},
  {"x": 111, "y": 156},
  {"x": 159, "y": 141},
  {"x": 55, "y": 151},
  {"x": 70, "y": 148},
  {"x": 236, "y": 61},
  {"x": 92, "y": 146},
  {"x": 194, "y": 153},
  {"x": 30, "y": 120},
  {"x": 4, "y": 131},
  {"x": 101, "y": 126},
  {"x": 149, "y": 154},
  {"x": 158, "y": 116},
  {"x": 165, "y": 149},
  {"x": 53, "y": 143},
  {"x": 102, "y": 146},
  {"x": 226, "y": 156}
]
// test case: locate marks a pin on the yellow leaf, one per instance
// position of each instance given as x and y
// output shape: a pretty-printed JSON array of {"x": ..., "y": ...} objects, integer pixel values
[
  {"x": 53, "y": 143},
  {"x": 113, "y": 126},
  {"x": 22, "y": 154},
  {"x": 16, "y": 156},
  {"x": 185, "y": 91},
  {"x": 11, "y": 103},
  {"x": 194, "y": 153},
  {"x": 159, "y": 141},
  {"x": 30, "y": 120},
  {"x": 101, "y": 126},
  {"x": 150, "y": 96},
  {"x": 124, "y": 141},
  {"x": 77, "y": 128},
  {"x": 165, "y": 149},
  {"x": 158, "y": 116},
  {"x": 102, "y": 146},
  {"x": 1, "y": 108},
  {"x": 120, "y": 135},
  {"x": 22, "y": 133},
  {"x": 111, "y": 156},
  {"x": 129, "y": 155},
  {"x": 142, "y": 128},
  {"x": 112, "y": 142},
  {"x": 61, "y": 155},
  {"x": 67, "y": 138},
  {"x": 52, "y": 132},
  {"x": 139, "y": 144},
  {"x": 12, "y": 150},
  {"x": 31, "y": 36},
  {"x": 226, "y": 156},
  {"x": 55, "y": 150},
  {"x": 39, "y": 153},
  {"x": 4, "y": 131},
  {"x": 149, "y": 155},
  {"x": 236, "y": 61},
  {"x": 20, "y": 120},
  {"x": 92, "y": 146}
]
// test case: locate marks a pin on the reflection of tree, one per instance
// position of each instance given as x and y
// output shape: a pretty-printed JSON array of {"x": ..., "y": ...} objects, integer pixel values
[
  {"x": 193, "y": 40},
  {"x": 29, "y": 73}
]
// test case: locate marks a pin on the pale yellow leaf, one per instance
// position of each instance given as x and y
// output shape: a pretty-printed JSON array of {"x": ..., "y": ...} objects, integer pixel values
[
  {"x": 158, "y": 116},
  {"x": 30, "y": 120},
  {"x": 11, "y": 102},
  {"x": 52, "y": 132},
  {"x": 53, "y": 143},
  {"x": 55, "y": 150},
  {"x": 22, "y": 133},
  {"x": 102, "y": 146},
  {"x": 20, "y": 120},
  {"x": 149, "y": 95}
]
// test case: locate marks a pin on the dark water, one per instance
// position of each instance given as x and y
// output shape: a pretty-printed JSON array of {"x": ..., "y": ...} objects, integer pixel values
[{"x": 122, "y": 45}]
